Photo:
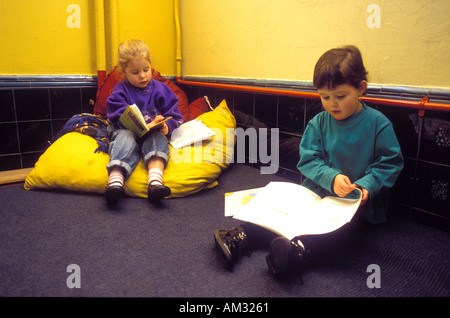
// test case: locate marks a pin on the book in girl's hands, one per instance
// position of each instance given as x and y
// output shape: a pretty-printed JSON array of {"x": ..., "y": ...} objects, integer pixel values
[
  {"x": 291, "y": 210},
  {"x": 189, "y": 133},
  {"x": 133, "y": 120}
]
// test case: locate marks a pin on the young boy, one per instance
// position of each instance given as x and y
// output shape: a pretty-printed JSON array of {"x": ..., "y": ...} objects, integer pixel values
[{"x": 346, "y": 146}]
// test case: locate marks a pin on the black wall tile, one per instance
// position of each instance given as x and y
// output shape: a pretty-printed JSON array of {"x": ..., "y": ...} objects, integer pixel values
[
  {"x": 11, "y": 162},
  {"x": 291, "y": 114},
  {"x": 432, "y": 189},
  {"x": 266, "y": 109},
  {"x": 34, "y": 136},
  {"x": 65, "y": 102},
  {"x": 88, "y": 96},
  {"x": 435, "y": 141},
  {"x": 7, "y": 112},
  {"x": 8, "y": 141},
  {"x": 32, "y": 104},
  {"x": 244, "y": 103}
]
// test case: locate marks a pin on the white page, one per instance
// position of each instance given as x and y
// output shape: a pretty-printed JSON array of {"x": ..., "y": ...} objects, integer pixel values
[
  {"x": 277, "y": 204},
  {"x": 138, "y": 113},
  {"x": 234, "y": 201},
  {"x": 190, "y": 132},
  {"x": 328, "y": 215},
  {"x": 289, "y": 209}
]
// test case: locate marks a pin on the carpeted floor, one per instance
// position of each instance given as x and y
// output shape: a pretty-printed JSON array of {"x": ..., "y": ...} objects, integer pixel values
[{"x": 142, "y": 250}]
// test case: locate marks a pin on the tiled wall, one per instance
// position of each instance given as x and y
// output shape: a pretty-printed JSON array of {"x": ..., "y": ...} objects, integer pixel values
[
  {"x": 31, "y": 115},
  {"x": 422, "y": 190}
]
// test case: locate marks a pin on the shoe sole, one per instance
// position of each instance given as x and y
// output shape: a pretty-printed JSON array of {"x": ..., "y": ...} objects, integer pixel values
[
  {"x": 280, "y": 256},
  {"x": 159, "y": 193},
  {"x": 112, "y": 195},
  {"x": 223, "y": 250}
]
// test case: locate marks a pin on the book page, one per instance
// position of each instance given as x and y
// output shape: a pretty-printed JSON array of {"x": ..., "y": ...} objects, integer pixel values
[
  {"x": 329, "y": 214},
  {"x": 189, "y": 133},
  {"x": 133, "y": 120},
  {"x": 137, "y": 112},
  {"x": 292, "y": 210},
  {"x": 235, "y": 201},
  {"x": 280, "y": 206}
]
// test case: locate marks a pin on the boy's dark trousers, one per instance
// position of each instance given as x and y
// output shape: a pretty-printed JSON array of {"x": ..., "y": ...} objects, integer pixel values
[{"x": 318, "y": 247}]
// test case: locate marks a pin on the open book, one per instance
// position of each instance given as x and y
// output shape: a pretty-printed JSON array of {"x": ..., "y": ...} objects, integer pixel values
[
  {"x": 189, "y": 133},
  {"x": 291, "y": 210},
  {"x": 133, "y": 120}
]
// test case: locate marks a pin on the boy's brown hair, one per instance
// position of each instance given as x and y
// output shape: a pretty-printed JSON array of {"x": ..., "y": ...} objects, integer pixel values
[{"x": 340, "y": 66}]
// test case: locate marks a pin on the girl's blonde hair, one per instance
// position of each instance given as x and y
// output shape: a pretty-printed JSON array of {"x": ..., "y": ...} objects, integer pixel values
[{"x": 129, "y": 49}]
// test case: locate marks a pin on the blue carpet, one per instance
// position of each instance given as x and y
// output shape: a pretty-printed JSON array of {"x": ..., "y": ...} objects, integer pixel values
[{"x": 141, "y": 250}]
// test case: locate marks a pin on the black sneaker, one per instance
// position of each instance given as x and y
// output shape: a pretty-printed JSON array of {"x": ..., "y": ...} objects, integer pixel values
[
  {"x": 113, "y": 193},
  {"x": 285, "y": 257},
  {"x": 231, "y": 244},
  {"x": 156, "y": 192}
]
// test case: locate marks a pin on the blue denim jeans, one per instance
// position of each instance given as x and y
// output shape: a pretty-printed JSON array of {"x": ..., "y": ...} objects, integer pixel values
[{"x": 126, "y": 148}]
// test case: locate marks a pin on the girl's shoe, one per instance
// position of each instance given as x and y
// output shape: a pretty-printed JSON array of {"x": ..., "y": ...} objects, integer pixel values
[
  {"x": 156, "y": 192},
  {"x": 113, "y": 193}
]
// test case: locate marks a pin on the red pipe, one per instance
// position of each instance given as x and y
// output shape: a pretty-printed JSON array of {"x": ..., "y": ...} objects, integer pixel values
[{"x": 422, "y": 105}]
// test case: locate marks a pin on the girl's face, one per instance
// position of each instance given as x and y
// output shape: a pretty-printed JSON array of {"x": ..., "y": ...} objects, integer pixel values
[
  {"x": 343, "y": 100},
  {"x": 138, "y": 71}
]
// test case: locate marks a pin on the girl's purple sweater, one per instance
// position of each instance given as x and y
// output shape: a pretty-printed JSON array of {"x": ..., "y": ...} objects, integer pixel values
[{"x": 156, "y": 99}]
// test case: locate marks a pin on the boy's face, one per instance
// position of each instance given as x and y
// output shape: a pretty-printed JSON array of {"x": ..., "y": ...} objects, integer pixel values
[
  {"x": 342, "y": 101},
  {"x": 138, "y": 72}
]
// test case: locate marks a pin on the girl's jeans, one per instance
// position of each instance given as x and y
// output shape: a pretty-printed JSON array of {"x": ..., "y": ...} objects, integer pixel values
[{"x": 126, "y": 148}]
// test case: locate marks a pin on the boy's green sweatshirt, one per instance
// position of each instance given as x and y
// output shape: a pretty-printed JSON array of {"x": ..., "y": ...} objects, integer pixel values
[{"x": 363, "y": 147}]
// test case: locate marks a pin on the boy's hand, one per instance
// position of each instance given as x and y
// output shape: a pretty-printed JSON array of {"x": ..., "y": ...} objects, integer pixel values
[
  {"x": 365, "y": 195},
  {"x": 342, "y": 185}
]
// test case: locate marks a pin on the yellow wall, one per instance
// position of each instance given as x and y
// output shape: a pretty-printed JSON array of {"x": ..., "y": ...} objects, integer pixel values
[
  {"x": 151, "y": 21},
  {"x": 268, "y": 39},
  {"x": 35, "y": 38},
  {"x": 282, "y": 39}
]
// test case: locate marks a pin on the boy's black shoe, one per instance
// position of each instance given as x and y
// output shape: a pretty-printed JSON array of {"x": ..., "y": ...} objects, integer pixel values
[
  {"x": 285, "y": 257},
  {"x": 156, "y": 192},
  {"x": 231, "y": 244},
  {"x": 113, "y": 193}
]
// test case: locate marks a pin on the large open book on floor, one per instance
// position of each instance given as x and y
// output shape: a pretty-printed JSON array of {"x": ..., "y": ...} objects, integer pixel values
[{"x": 290, "y": 209}]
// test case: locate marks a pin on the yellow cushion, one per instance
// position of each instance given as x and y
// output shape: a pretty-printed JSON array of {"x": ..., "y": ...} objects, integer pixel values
[{"x": 71, "y": 164}]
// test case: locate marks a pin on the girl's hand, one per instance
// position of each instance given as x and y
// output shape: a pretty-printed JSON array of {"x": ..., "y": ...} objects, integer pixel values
[
  {"x": 156, "y": 120},
  {"x": 164, "y": 128}
]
